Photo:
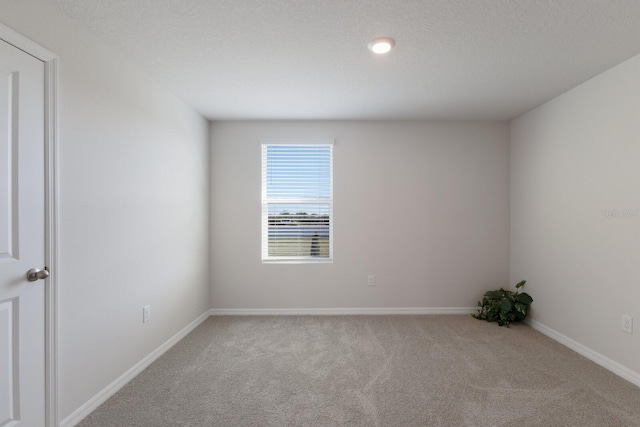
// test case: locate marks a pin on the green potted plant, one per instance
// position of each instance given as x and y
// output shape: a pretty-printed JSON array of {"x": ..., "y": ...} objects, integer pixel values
[{"x": 503, "y": 306}]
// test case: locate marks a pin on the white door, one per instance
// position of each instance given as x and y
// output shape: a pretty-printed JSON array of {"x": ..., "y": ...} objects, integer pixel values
[{"x": 22, "y": 244}]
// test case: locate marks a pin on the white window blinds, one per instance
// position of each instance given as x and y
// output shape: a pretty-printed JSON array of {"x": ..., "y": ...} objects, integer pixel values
[{"x": 297, "y": 202}]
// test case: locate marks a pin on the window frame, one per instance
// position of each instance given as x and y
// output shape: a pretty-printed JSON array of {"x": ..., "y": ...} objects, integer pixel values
[{"x": 266, "y": 202}]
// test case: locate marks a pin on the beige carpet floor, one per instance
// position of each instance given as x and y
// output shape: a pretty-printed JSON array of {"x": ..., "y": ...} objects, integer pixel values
[{"x": 370, "y": 371}]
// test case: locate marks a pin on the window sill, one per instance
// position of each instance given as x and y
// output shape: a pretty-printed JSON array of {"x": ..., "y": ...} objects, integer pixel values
[{"x": 297, "y": 261}]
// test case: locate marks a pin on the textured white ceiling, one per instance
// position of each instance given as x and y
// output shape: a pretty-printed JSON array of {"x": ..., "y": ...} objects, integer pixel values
[{"x": 308, "y": 59}]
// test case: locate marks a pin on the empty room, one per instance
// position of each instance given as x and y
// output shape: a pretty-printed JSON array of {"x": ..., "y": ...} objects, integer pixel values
[{"x": 319, "y": 213}]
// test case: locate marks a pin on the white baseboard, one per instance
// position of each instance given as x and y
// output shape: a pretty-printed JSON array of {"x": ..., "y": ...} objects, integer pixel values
[
  {"x": 605, "y": 362},
  {"x": 339, "y": 311},
  {"x": 97, "y": 400}
]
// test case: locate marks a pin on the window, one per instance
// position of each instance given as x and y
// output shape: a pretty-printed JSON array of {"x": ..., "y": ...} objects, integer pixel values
[{"x": 297, "y": 202}]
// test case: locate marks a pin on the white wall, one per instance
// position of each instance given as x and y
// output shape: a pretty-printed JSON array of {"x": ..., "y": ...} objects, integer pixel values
[
  {"x": 133, "y": 207},
  {"x": 574, "y": 163},
  {"x": 423, "y": 206}
]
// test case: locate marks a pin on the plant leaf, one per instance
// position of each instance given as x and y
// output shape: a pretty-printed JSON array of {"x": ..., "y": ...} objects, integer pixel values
[
  {"x": 506, "y": 306},
  {"x": 524, "y": 298}
]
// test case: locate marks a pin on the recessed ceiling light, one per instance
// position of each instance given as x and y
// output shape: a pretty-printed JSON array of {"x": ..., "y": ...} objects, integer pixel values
[{"x": 381, "y": 45}]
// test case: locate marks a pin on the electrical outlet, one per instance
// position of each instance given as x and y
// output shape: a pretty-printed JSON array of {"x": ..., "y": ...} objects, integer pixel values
[
  {"x": 371, "y": 280},
  {"x": 627, "y": 323},
  {"x": 146, "y": 313}
]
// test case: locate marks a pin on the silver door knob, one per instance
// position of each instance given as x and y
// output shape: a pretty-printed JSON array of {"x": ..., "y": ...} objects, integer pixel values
[{"x": 37, "y": 274}]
